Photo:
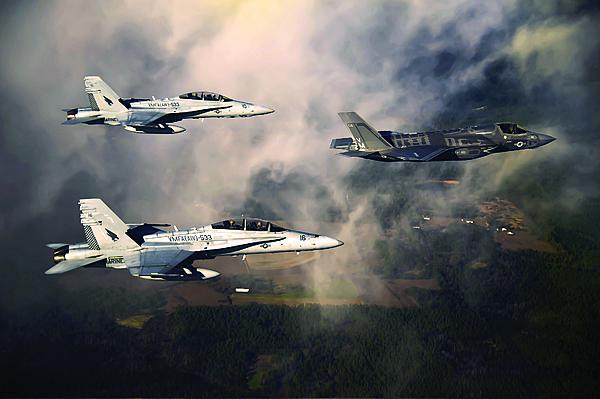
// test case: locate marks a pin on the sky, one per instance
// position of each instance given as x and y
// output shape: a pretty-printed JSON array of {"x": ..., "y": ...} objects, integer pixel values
[{"x": 403, "y": 65}]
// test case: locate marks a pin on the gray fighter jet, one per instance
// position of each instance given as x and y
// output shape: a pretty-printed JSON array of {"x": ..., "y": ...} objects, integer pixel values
[
  {"x": 150, "y": 252},
  {"x": 444, "y": 145},
  {"x": 151, "y": 115}
]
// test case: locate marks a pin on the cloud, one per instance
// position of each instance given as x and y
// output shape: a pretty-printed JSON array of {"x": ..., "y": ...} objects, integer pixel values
[{"x": 402, "y": 65}]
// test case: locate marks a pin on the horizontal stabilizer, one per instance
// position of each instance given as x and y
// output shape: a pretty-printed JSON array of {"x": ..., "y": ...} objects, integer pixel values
[
  {"x": 56, "y": 245},
  {"x": 341, "y": 144},
  {"x": 357, "y": 154},
  {"x": 375, "y": 155},
  {"x": 68, "y": 265}
]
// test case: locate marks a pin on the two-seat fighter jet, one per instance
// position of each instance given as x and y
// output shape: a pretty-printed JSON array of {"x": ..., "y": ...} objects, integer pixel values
[
  {"x": 154, "y": 116},
  {"x": 444, "y": 145},
  {"x": 149, "y": 252}
]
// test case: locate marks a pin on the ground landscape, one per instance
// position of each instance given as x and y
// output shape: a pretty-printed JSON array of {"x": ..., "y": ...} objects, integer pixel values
[
  {"x": 281, "y": 278},
  {"x": 456, "y": 279}
]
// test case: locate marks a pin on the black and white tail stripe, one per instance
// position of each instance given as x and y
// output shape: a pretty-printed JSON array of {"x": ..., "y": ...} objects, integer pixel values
[
  {"x": 93, "y": 102},
  {"x": 90, "y": 238}
]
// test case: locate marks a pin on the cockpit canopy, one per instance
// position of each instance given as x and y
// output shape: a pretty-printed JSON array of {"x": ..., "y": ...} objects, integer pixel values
[
  {"x": 205, "y": 96},
  {"x": 248, "y": 225},
  {"x": 511, "y": 128}
]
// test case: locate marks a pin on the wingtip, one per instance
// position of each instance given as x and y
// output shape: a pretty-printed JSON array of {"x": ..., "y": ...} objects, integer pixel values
[
  {"x": 54, "y": 270},
  {"x": 56, "y": 245}
]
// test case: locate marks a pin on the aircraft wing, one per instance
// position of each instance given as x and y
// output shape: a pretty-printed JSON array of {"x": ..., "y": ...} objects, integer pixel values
[
  {"x": 164, "y": 262},
  {"x": 419, "y": 153},
  {"x": 161, "y": 261},
  {"x": 414, "y": 154},
  {"x": 68, "y": 265},
  {"x": 178, "y": 116}
]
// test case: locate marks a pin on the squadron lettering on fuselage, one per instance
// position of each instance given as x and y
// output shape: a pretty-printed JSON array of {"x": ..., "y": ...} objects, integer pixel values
[
  {"x": 412, "y": 140},
  {"x": 463, "y": 142},
  {"x": 191, "y": 238},
  {"x": 163, "y": 104},
  {"x": 114, "y": 260}
]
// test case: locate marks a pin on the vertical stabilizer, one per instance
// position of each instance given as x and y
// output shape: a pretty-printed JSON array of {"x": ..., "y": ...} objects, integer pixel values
[
  {"x": 101, "y": 96},
  {"x": 365, "y": 136},
  {"x": 103, "y": 229}
]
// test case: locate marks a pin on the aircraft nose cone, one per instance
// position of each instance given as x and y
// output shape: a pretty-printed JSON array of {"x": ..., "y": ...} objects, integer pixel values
[
  {"x": 260, "y": 110},
  {"x": 545, "y": 139},
  {"x": 330, "y": 242}
]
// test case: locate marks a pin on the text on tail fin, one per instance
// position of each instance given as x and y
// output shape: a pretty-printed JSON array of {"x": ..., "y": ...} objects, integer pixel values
[
  {"x": 102, "y": 227},
  {"x": 365, "y": 135},
  {"x": 101, "y": 95}
]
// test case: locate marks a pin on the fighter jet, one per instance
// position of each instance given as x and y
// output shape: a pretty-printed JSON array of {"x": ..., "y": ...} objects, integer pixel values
[
  {"x": 150, "y": 252},
  {"x": 443, "y": 145},
  {"x": 151, "y": 115}
]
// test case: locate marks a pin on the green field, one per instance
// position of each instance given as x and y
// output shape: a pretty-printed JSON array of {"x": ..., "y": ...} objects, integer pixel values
[
  {"x": 338, "y": 289},
  {"x": 255, "y": 382},
  {"x": 136, "y": 321}
]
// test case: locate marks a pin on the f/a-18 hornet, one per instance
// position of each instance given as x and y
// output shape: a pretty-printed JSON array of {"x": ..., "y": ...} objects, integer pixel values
[
  {"x": 151, "y": 115},
  {"x": 443, "y": 145},
  {"x": 149, "y": 252}
]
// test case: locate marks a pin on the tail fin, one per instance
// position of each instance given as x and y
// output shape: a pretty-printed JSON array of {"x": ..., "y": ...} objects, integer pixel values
[
  {"x": 103, "y": 229},
  {"x": 366, "y": 137},
  {"x": 101, "y": 96}
]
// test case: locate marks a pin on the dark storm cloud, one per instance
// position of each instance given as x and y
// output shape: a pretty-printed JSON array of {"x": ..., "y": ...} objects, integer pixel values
[
  {"x": 273, "y": 194},
  {"x": 401, "y": 65},
  {"x": 496, "y": 69},
  {"x": 46, "y": 168}
]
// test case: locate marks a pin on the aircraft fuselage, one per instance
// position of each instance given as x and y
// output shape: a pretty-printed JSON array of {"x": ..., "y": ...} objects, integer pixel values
[
  {"x": 463, "y": 144},
  {"x": 151, "y": 115},
  {"x": 442, "y": 145},
  {"x": 152, "y": 253}
]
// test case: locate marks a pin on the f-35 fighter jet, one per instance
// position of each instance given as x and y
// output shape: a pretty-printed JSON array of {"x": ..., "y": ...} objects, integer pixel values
[
  {"x": 444, "y": 145},
  {"x": 154, "y": 116},
  {"x": 149, "y": 252}
]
